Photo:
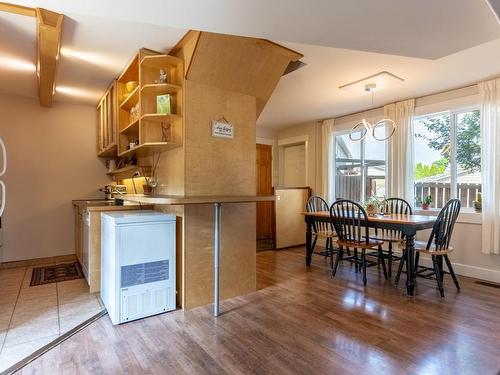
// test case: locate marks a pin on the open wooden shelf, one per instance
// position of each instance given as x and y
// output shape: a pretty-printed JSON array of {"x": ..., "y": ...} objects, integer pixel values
[
  {"x": 108, "y": 152},
  {"x": 160, "y": 117},
  {"x": 129, "y": 171},
  {"x": 131, "y": 100},
  {"x": 160, "y": 61},
  {"x": 123, "y": 170},
  {"x": 147, "y": 149},
  {"x": 132, "y": 128},
  {"x": 160, "y": 88},
  {"x": 153, "y": 132}
]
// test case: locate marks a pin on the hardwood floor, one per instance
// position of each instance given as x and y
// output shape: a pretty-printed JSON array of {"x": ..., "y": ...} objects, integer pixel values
[{"x": 301, "y": 321}]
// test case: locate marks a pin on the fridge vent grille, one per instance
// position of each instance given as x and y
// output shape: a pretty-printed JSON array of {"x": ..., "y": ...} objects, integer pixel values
[
  {"x": 137, "y": 274},
  {"x": 140, "y": 303}
]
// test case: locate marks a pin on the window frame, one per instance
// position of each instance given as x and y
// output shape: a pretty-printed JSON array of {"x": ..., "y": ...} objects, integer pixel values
[
  {"x": 364, "y": 169},
  {"x": 453, "y": 113}
]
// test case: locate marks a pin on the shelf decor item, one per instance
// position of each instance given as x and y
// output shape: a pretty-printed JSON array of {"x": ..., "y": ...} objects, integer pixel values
[
  {"x": 372, "y": 206},
  {"x": 163, "y": 104},
  {"x": 478, "y": 203},
  {"x": 163, "y": 77},
  {"x": 131, "y": 86},
  {"x": 426, "y": 202}
]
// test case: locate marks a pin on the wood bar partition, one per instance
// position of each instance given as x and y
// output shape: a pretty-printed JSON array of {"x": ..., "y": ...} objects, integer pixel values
[{"x": 226, "y": 77}]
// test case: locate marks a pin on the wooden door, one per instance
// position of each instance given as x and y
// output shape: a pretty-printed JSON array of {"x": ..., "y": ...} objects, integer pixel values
[{"x": 265, "y": 210}]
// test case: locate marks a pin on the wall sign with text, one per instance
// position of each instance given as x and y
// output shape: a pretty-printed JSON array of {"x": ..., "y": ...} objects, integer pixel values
[{"x": 222, "y": 129}]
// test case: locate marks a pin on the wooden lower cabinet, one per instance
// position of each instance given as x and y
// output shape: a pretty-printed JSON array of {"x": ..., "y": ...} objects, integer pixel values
[
  {"x": 79, "y": 233},
  {"x": 93, "y": 265}
]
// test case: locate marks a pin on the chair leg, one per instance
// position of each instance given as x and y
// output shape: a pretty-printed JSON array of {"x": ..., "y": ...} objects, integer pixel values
[
  {"x": 313, "y": 245},
  {"x": 389, "y": 261},
  {"x": 337, "y": 260},
  {"x": 452, "y": 272},
  {"x": 417, "y": 259},
  {"x": 437, "y": 272},
  {"x": 381, "y": 260},
  {"x": 331, "y": 257},
  {"x": 356, "y": 263},
  {"x": 441, "y": 270},
  {"x": 363, "y": 264},
  {"x": 400, "y": 268},
  {"x": 327, "y": 247}
]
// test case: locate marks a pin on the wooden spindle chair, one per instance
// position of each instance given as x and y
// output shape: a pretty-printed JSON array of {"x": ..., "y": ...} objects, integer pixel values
[
  {"x": 321, "y": 229},
  {"x": 390, "y": 236},
  {"x": 351, "y": 224},
  {"x": 438, "y": 246}
]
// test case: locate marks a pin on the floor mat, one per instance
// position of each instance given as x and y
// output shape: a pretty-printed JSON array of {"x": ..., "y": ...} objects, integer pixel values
[{"x": 58, "y": 273}]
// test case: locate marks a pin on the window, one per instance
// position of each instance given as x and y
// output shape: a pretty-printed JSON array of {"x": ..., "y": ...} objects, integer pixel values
[
  {"x": 360, "y": 167},
  {"x": 447, "y": 157}
]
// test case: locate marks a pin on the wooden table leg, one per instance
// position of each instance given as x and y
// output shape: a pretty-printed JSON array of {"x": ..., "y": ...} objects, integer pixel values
[
  {"x": 410, "y": 267},
  {"x": 308, "y": 241}
]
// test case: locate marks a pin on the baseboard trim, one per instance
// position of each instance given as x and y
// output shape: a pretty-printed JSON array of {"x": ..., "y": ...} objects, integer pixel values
[
  {"x": 468, "y": 270},
  {"x": 38, "y": 261}
]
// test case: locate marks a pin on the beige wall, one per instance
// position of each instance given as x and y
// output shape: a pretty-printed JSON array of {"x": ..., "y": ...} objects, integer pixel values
[
  {"x": 311, "y": 131},
  {"x": 294, "y": 166},
  {"x": 51, "y": 160}
]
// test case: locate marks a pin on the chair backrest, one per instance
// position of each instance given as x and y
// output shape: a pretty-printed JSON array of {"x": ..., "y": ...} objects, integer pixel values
[
  {"x": 396, "y": 206},
  {"x": 317, "y": 204},
  {"x": 350, "y": 221},
  {"x": 443, "y": 227}
]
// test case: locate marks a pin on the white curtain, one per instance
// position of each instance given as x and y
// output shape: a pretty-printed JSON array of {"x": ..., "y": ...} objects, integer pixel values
[
  {"x": 400, "y": 151},
  {"x": 328, "y": 175},
  {"x": 489, "y": 93}
]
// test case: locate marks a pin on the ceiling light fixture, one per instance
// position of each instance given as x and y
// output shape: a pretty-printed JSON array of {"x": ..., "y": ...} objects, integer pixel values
[
  {"x": 363, "y": 127},
  {"x": 381, "y": 80}
]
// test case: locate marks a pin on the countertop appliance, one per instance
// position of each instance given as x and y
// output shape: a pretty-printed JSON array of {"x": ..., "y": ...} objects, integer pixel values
[
  {"x": 3, "y": 196},
  {"x": 137, "y": 264}
]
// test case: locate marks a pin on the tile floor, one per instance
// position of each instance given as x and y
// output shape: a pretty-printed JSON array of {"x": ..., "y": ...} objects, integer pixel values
[{"x": 31, "y": 317}]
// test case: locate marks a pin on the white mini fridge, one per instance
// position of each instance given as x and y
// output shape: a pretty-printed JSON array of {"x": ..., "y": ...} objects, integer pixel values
[{"x": 137, "y": 264}]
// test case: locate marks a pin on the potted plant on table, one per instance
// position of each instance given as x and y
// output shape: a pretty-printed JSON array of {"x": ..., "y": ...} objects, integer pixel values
[
  {"x": 426, "y": 202},
  {"x": 372, "y": 206}
]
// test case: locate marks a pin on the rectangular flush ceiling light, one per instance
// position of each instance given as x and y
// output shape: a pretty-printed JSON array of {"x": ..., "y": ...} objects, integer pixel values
[
  {"x": 495, "y": 8},
  {"x": 381, "y": 80}
]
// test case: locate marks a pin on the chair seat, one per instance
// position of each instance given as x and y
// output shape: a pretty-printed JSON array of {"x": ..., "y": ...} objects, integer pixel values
[
  {"x": 371, "y": 244},
  {"x": 386, "y": 237},
  {"x": 421, "y": 246},
  {"x": 326, "y": 234}
]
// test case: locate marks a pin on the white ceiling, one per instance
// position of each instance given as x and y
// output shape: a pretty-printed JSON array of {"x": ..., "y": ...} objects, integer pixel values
[{"x": 447, "y": 43}]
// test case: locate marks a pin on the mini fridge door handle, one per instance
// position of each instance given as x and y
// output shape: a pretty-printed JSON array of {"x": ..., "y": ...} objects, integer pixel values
[
  {"x": 4, "y": 158},
  {"x": 4, "y": 197}
]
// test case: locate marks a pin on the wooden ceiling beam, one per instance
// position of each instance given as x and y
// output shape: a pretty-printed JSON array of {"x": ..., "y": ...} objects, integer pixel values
[
  {"x": 18, "y": 9},
  {"x": 49, "y": 29}
]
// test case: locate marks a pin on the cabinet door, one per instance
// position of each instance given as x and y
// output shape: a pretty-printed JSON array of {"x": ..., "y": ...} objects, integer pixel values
[{"x": 107, "y": 122}]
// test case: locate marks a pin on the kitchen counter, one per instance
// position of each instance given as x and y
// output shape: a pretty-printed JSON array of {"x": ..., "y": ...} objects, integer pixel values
[
  {"x": 182, "y": 200},
  {"x": 110, "y": 205}
]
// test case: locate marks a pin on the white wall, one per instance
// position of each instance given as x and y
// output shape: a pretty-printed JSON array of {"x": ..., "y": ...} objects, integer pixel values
[{"x": 51, "y": 160}]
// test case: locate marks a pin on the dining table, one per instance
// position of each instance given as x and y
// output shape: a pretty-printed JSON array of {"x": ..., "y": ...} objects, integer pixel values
[{"x": 409, "y": 225}]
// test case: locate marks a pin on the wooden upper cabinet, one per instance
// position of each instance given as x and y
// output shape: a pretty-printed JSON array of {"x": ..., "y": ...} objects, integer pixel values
[{"x": 107, "y": 123}]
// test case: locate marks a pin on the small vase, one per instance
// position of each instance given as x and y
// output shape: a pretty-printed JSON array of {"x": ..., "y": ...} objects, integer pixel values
[
  {"x": 425, "y": 206},
  {"x": 147, "y": 189},
  {"x": 371, "y": 210}
]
